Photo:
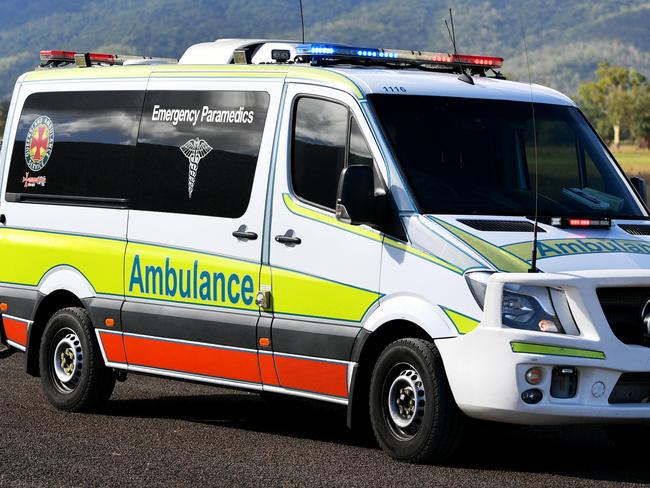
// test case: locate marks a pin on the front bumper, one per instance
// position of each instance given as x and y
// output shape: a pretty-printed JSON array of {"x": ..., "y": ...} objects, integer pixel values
[{"x": 486, "y": 367}]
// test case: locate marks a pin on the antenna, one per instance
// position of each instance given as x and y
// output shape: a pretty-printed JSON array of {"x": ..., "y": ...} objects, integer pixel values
[
  {"x": 452, "y": 35},
  {"x": 533, "y": 260},
  {"x": 302, "y": 23}
]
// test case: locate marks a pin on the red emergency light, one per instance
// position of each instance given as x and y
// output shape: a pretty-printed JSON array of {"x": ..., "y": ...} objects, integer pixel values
[
  {"x": 603, "y": 223},
  {"x": 53, "y": 57}
]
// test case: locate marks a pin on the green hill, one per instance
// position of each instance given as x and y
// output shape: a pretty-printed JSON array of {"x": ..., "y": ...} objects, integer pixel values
[{"x": 565, "y": 39}]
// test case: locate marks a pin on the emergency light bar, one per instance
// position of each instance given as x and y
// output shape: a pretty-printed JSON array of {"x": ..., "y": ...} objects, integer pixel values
[
  {"x": 57, "y": 58},
  {"x": 564, "y": 222},
  {"x": 340, "y": 53}
]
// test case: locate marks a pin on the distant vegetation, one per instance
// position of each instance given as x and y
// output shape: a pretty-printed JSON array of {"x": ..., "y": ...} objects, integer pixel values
[
  {"x": 3, "y": 118},
  {"x": 618, "y": 104},
  {"x": 566, "y": 40}
]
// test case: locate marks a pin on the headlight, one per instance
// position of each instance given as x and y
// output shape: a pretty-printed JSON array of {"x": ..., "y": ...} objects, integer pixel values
[
  {"x": 535, "y": 308},
  {"x": 529, "y": 308}
]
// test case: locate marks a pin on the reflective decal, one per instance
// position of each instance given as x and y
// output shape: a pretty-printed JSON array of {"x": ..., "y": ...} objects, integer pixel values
[
  {"x": 550, "y": 248},
  {"x": 39, "y": 143},
  {"x": 194, "y": 150},
  {"x": 32, "y": 181}
]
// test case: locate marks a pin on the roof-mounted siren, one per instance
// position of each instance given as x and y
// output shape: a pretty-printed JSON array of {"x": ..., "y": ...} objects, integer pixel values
[
  {"x": 54, "y": 59},
  {"x": 324, "y": 54}
]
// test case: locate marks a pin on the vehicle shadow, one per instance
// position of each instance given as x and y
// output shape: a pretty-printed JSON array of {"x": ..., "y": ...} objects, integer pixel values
[
  {"x": 287, "y": 416},
  {"x": 580, "y": 451},
  {"x": 576, "y": 451}
]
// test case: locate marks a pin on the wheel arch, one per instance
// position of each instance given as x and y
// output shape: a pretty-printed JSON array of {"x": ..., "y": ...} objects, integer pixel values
[
  {"x": 368, "y": 345},
  {"x": 45, "y": 308}
]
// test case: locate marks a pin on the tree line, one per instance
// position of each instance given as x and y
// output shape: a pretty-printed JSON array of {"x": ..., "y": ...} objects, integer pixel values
[{"x": 617, "y": 102}]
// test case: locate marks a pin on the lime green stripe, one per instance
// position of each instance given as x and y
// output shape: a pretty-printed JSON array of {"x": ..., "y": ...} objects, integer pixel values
[
  {"x": 328, "y": 219},
  {"x": 530, "y": 348},
  {"x": 499, "y": 258},
  {"x": 370, "y": 234},
  {"x": 463, "y": 323}
]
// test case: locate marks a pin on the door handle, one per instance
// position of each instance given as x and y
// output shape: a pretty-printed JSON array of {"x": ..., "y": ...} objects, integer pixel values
[
  {"x": 243, "y": 234},
  {"x": 3, "y": 219},
  {"x": 289, "y": 240}
]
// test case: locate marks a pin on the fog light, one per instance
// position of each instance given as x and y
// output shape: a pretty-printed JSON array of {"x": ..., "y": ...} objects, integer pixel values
[
  {"x": 534, "y": 376},
  {"x": 564, "y": 382},
  {"x": 532, "y": 396}
]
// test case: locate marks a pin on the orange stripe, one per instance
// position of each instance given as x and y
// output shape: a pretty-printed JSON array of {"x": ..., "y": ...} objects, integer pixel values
[
  {"x": 316, "y": 376},
  {"x": 267, "y": 368},
  {"x": 113, "y": 347},
  {"x": 15, "y": 330},
  {"x": 192, "y": 358}
]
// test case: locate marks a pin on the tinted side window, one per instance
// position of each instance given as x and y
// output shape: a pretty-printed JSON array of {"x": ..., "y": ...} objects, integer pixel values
[
  {"x": 197, "y": 151},
  {"x": 319, "y": 144},
  {"x": 76, "y": 144}
]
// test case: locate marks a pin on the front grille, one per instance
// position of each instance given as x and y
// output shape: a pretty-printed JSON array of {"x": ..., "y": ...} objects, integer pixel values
[
  {"x": 631, "y": 388},
  {"x": 500, "y": 225},
  {"x": 623, "y": 309},
  {"x": 636, "y": 229}
]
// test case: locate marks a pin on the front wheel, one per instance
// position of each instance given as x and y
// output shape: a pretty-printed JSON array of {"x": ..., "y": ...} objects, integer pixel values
[
  {"x": 73, "y": 375},
  {"x": 413, "y": 412}
]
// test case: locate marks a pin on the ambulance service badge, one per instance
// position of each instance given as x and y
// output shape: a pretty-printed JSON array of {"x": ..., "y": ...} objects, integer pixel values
[{"x": 39, "y": 143}]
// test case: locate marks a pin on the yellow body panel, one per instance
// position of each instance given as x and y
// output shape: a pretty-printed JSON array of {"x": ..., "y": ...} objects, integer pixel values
[
  {"x": 29, "y": 255},
  {"x": 305, "y": 295}
]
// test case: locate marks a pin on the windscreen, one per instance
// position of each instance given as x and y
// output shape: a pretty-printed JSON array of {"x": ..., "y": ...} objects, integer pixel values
[{"x": 469, "y": 156}]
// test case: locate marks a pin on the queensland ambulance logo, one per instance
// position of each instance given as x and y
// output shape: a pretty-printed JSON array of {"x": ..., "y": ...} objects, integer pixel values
[
  {"x": 194, "y": 150},
  {"x": 39, "y": 143}
]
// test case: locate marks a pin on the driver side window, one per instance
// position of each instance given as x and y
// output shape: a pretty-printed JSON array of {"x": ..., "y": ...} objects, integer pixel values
[{"x": 326, "y": 138}]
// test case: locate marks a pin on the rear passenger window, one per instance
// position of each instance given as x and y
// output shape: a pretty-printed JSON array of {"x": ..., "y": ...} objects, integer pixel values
[
  {"x": 325, "y": 140},
  {"x": 75, "y": 144},
  {"x": 197, "y": 151}
]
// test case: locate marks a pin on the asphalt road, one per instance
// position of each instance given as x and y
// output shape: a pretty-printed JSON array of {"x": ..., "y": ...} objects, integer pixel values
[{"x": 161, "y": 432}]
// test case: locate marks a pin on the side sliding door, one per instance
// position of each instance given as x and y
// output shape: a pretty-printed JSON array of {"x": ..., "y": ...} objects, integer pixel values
[{"x": 194, "y": 237}]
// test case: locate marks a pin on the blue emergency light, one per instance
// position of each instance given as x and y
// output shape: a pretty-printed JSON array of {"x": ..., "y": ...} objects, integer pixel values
[{"x": 338, "y": 52}]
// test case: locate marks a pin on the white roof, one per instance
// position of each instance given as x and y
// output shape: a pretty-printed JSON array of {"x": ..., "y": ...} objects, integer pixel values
[
  {"x": 375, "y": 80},
  {"x": 417, "y": 82}
]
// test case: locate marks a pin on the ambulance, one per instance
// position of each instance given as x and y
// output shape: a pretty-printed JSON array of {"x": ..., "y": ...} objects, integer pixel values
[{"x": 406, "y": 234}]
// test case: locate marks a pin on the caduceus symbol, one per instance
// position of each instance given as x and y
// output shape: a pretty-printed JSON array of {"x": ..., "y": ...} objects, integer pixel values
[{"x": 194, "y": 150}]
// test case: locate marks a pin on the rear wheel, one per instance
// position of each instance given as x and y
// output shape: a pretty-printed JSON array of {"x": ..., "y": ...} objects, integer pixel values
[
  {"x": 413, "y": 413},
  {"x": 73, "y": 375}
]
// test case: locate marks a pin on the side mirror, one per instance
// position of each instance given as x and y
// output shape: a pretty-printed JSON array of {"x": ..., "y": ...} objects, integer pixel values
[
  {"x": 640, "y": 187},
  {"x": 355, "y": 200}
]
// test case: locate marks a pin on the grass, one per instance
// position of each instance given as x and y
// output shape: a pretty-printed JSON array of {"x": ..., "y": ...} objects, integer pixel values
[{"x": 634, "y": 161}]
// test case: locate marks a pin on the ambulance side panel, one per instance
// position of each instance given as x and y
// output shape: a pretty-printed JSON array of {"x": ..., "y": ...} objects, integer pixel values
[{"x": 64, "y": 199}]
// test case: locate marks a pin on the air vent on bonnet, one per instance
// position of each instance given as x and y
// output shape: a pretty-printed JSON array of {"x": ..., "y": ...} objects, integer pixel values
[
  {"x": 500, "y": 225},
  {"x": 636, "y": 229}
]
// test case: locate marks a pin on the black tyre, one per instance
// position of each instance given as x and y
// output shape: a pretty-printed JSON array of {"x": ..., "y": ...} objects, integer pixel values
[
  {"x": 73, "y": 375},
  {"x": 413, "y": 412}
]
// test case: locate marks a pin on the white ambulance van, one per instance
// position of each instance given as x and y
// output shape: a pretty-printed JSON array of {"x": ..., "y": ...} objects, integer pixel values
[{"x": 345, "y": 224}]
